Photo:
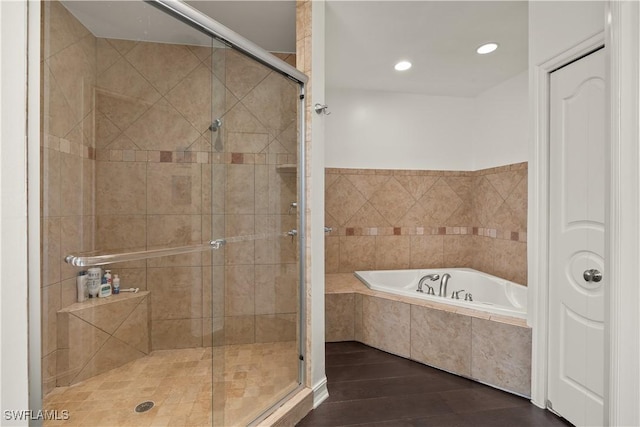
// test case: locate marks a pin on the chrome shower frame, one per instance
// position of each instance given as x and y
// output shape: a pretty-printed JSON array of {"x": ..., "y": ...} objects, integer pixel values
[
  {"x": 205, "y": 24},
  {"x": 185, "y": 13}
]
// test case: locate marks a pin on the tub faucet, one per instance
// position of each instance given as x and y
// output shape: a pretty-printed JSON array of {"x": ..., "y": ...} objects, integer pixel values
[
  {"x": 443, "y": 285},
  {"x": 456, "y": 294},
  {"x": 432, "y": 277}
]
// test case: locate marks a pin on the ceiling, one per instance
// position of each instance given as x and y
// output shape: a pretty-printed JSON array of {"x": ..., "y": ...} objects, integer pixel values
[
  {"x": 269, "y": 24},
  {"x": 364, "y": 39}
]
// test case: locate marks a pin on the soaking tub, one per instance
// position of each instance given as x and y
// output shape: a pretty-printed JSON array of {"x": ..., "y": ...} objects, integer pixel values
[{"x": 489, "y": 293}]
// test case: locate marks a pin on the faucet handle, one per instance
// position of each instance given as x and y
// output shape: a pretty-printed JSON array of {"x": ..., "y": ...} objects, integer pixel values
[
  {"x": 468, "y": 297},
  {"x": 456, "y": 294}
]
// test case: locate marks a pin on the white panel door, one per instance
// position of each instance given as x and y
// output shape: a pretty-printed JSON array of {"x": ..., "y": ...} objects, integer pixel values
[{"x": 576, "y": 241}]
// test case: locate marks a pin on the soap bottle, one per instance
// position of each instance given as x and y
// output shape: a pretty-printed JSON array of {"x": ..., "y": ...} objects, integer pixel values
[
  {"x": 81, "y": 284},
  {"x": 107, "y": 277},
  {"x": 105, "y": 290},
  {"x": 116, "y": 284}
]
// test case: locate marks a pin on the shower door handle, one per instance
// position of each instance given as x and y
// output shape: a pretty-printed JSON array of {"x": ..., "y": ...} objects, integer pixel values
[
  {"x": 592, "y": 275},
  {"x": 293, "y": 233}
]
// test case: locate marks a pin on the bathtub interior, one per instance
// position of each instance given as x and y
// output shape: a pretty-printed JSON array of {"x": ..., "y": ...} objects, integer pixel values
[
  {"x": 398, "y": 279},
  {"x": 486, "y": 290}
]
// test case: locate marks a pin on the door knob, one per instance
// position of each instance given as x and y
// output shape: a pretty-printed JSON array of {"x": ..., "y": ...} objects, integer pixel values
[{"x": 592, "y": 275}]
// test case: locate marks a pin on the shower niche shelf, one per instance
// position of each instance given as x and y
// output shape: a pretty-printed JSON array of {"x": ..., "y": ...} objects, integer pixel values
[
  {"x": 101, "y": 334},
  {"x": 287, "y": 168}
]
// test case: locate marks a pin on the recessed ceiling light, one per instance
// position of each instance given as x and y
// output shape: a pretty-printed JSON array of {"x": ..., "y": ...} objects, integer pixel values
[
  {"x": 487, "y": 48},
  {"x": 403, "y": 66}
]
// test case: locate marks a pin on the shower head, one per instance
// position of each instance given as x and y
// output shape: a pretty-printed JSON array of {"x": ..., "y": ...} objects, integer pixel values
[{"x": 217, "y": 124}]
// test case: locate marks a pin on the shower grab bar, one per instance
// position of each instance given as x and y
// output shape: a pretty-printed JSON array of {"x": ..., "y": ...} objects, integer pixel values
[{"x": 88, "y": 261}]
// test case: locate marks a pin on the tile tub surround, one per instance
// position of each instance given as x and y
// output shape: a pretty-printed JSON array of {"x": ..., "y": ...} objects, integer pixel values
[
  {"x": 399, "y": 219},
  {"x": 116, "y": 131},
  {"x": 492, "y": 349}
]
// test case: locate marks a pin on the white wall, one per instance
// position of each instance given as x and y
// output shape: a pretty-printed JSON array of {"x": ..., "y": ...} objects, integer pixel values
[
  {"x": 501, "y": 124},
  {"x": 386, "y": 130},
  {"x": 315, "y": 206},
  {"x": 555, "y": 26},
  {"x": 14, "y": 391}
]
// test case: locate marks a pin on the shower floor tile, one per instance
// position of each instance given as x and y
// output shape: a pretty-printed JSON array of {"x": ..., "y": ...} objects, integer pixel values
[{"x": 226, "y": 386}]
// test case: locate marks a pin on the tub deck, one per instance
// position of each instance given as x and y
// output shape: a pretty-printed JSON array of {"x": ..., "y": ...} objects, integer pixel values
[{"x": 348, "y": 283}]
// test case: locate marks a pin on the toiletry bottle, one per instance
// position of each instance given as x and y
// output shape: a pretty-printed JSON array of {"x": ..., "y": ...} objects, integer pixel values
[
  {"x": 116, "y": 284},
  {"x": 93, "y": 281},
  {"x": 107, "y": 277},
  {"x": 105, "y": 290},
  {"x": 94, "y": 287},
  {"x": 81, "y": 284}
]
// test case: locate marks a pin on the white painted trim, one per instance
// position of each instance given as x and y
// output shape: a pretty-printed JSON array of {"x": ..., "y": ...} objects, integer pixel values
[
  {"x": 320, "y": 393},
  {"x": 2, "y": 258},
  {"x": 623, "y": 210},
  {"x": 315, "y": 208},
  {"x": 14, "y": 390},
  {"x": 538, "y": 212}
]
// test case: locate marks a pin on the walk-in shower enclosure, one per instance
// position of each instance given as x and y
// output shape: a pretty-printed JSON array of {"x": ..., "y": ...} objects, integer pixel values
[{"x": 171, "y": 156}]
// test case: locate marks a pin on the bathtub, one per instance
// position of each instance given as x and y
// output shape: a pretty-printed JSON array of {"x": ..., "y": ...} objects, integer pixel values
[{"x": 490, "y": 294}]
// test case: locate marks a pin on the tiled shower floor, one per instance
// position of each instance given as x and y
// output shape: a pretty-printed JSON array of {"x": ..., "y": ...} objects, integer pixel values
[{"x": 188, "y": 387}]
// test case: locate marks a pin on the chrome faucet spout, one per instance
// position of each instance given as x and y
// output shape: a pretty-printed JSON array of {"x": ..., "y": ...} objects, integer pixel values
[
  {"x": 443, "y": 285},
  {"x": 432, "y": 277}
]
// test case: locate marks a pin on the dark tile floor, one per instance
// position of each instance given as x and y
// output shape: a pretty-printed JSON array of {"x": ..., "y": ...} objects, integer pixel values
[{"x": 372, "y": 388}]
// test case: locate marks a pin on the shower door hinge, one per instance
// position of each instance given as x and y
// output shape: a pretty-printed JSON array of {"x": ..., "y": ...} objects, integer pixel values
[
  {"x": 301, "y": 357},
  {"x": 302, "y": 96}
]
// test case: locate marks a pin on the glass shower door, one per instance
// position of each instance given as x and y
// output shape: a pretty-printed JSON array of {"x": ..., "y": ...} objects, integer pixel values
[
  {"x": 126, "y": 151},
  {"x": 254, "y": 140},
  {"x": 157, "y": 141}
]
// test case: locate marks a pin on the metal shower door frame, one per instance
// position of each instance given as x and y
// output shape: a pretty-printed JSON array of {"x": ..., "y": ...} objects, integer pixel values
[{"x": 198, "y": 20}]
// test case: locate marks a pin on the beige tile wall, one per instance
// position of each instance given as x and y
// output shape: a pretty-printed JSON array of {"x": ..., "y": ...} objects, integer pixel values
[
  {"x": 98, "y": 335},
  {"x": 67, "y": 166},
  {"x": 128, "y": 162},
  {"x": 177, "y": 183},
  {"x": 398, "y": 219},
  {"x": 304, "y": 54}
]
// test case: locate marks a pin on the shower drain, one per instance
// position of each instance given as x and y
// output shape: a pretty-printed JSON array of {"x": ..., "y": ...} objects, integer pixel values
[{"x": 144, "y": 406}]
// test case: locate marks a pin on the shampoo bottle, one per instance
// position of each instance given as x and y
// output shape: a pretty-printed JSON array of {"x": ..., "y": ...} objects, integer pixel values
[
  {"x": 93, "y": 282},
  {"x": 116, "y": 284},
  {"x": 81, "y": 283}
]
